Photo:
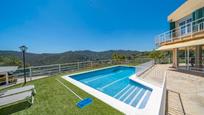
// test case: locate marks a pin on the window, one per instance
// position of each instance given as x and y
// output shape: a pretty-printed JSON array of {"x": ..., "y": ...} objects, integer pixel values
[
  {"x": 182, "y": 28},
  {"x": 185, "y": 26}
]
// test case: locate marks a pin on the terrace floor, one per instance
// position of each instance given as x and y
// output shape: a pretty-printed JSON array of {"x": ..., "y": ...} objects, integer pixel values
[{"x": 185, "y": 91}]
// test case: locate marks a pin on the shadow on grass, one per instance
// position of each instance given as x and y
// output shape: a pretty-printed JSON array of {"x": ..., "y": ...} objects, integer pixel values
[{"x": 14, "y": 108}]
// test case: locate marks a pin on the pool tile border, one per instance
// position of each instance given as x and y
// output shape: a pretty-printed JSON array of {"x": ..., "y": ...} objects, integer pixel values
[{"x": 152, "y": 106}]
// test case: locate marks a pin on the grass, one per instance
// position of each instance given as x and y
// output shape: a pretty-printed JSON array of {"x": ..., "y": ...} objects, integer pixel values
[{"x": 53, "y": 99}]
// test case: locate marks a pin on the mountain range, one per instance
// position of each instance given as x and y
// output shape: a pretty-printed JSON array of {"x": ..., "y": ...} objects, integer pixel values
[{"x": 35, "y": 59}]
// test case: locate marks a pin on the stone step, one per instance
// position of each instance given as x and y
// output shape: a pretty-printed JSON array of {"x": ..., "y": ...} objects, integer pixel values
[
  {"x": 174, "y": 105},
  {"x": 173, "y": 111}
]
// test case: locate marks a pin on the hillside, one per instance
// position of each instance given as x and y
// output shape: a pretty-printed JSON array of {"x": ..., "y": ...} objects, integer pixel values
[{"x": 71, "y": 56}]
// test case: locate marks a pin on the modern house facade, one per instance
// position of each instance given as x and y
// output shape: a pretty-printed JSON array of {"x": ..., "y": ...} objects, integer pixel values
[{"x": 185, "y": 39}]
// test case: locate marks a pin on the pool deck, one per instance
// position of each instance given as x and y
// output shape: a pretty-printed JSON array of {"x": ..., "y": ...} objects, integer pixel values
[{"x": 185, "y": 91}]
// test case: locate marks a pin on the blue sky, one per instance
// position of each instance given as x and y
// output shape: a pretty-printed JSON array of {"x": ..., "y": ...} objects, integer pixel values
[{"x": 62, "y": 25}]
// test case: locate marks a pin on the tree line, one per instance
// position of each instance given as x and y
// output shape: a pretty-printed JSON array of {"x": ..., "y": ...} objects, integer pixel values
[
  {"x": 10, "y": 61},
  {"x": 158, "y": 56}
]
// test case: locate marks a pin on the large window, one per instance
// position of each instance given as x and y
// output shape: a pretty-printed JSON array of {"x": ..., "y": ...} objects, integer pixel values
[
  {"x": 185, "y": 26},
  {"x": 182, "y": 27}
]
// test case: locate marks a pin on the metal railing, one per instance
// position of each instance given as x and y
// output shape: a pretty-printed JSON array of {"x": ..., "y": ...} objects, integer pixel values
[
  {"x": 178, "y": 33},
  {"x": 46, "y": 70},
  {"x": 57, "y": 68}
]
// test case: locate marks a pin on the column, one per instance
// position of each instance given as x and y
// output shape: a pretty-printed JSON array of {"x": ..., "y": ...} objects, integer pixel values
[
  {"x": 198, "y": 56},
  {"x": 188, "y": 58},
  {"x": 175, "y": 58}
]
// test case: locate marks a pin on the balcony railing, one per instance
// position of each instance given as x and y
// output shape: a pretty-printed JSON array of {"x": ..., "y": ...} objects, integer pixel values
[{"x": 179, "y": 33}]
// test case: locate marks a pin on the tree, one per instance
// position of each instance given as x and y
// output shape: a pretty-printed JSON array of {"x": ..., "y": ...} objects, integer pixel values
[
  {"x": 114, "y": 56},
  {"x": 156, "y": 55},
  {"x": 10, "y": 61},
  {"x": 118, "y": 57},
  {"x": 15, "y": 61},
  {"x": 134, "y": 56},
  {"x": 129, "y": 57},
  {"x": 1, "y": 60}
]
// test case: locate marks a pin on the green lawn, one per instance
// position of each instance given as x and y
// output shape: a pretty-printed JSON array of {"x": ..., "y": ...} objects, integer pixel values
[{"x": 53, "y": 99}]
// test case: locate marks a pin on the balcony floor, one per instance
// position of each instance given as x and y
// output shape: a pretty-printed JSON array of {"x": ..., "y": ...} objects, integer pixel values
[{"x": 185, "y": 90}]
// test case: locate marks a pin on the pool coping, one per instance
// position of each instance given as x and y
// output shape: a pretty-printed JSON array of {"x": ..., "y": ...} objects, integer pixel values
[{"x": 152, "y": 107}]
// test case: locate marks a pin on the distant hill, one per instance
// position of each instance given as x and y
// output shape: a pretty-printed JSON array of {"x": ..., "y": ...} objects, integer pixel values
[{"x": 71, "y": 56}]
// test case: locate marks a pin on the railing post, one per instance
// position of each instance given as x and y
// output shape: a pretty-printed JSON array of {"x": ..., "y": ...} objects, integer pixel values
[
  {"x": 30, "y": 73},
  {"x": 166, "y": 37},
  {"x": 91, "y": 64},
  {"x": 180, "y": 32},
  {"x": 7, "y": 79},
  {"x": 59, "y": 66},
  {"x": 198, "y": 27},
  {"x": 191, "y": 30},
  {"x": 78, "y": 65}
]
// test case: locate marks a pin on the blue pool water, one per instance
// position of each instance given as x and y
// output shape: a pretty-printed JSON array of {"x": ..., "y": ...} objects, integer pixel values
[{"x": 115, "y": 82}]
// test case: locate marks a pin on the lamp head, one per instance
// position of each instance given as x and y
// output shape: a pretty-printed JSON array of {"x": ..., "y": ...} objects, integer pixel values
[{"x": 23, "y": 48}]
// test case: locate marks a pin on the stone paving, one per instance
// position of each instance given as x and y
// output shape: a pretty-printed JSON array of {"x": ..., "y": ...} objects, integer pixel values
[{"x": 185, "y": 94}]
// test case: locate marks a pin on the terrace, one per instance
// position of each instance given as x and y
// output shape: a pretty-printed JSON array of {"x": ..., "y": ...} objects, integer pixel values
[
  {"x": 50, "y": 94},
  {"x": 185, "y": 92},
  {"x": 183, "y": 96}
]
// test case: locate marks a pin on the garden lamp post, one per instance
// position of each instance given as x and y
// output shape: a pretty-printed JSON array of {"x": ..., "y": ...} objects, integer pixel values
[{"x": 23, "y": 49}]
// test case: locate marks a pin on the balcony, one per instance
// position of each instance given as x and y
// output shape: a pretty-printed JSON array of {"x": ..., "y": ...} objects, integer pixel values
[{"x": 187, "y": 32}]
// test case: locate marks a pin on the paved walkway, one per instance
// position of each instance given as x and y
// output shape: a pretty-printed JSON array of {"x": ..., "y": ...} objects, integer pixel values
[
  {"x": 21, "y": 80},
  {"x": 185, "y": 94}
]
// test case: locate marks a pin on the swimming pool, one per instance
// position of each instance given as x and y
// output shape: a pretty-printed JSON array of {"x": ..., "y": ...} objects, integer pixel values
[{"x": 115, "y": 82}]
